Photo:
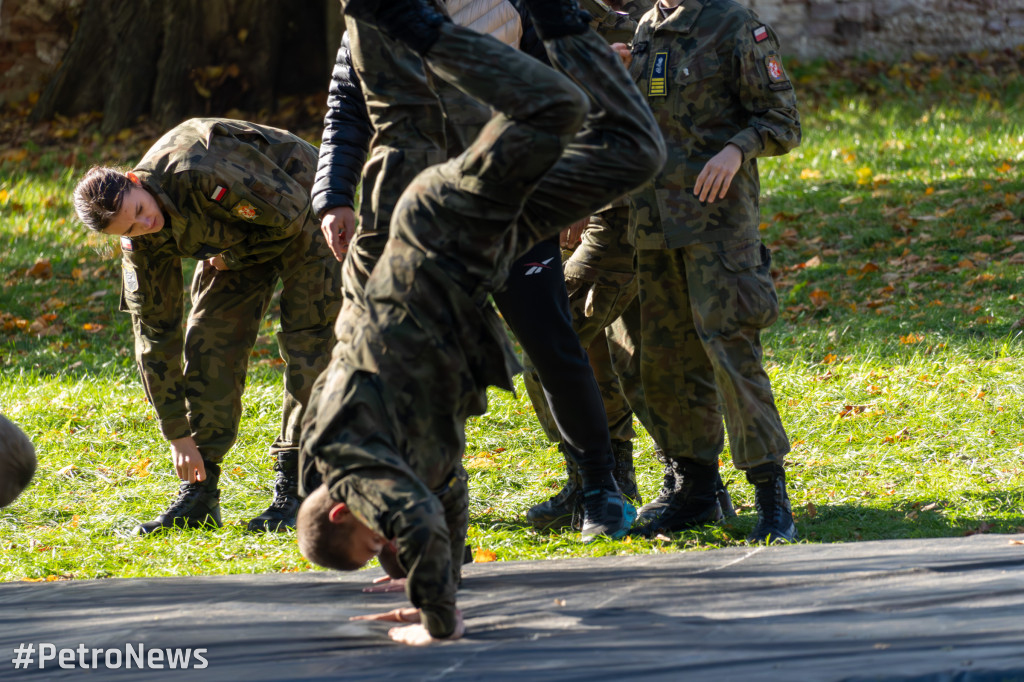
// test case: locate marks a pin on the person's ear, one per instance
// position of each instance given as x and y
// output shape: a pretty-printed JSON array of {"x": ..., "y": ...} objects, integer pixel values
[
  {"x": 339, "y": 513},
  {"x": 134, "y": 178}
]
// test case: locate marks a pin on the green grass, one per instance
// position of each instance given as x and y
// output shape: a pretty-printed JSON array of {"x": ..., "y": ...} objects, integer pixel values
[{"x": 898, "y": 236}]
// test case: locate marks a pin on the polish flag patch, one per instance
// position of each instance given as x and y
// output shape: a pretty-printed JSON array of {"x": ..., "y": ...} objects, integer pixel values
[
  {"x": 760, "y": 33},
  {"x": 126, "y": 244},
  {"x": 218, "y": 193}
]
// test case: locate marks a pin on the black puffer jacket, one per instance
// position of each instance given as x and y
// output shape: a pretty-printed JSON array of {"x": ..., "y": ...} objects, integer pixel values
[{"x": 346, "y": 140}]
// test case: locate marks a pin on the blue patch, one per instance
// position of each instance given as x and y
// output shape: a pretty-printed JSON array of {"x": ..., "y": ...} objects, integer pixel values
[{"x": 658, "y": 86}]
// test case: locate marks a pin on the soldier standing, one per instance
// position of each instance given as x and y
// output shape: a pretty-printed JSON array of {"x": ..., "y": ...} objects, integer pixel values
[
  {"x": 712, "y": 74},
  {"x": 234, "y": 196}
]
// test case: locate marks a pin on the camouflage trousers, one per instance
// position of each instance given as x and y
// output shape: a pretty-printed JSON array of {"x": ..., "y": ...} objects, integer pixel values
[
  {"x": 227, "y": 309},
  {"x": 409, "y": 135},
  {"x": 702, "y": 309},
  {"x": 531, "y": 171}
]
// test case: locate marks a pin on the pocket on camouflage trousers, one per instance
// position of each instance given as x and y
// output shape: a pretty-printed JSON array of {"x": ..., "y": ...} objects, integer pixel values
[{"x": 747, "y": 270}]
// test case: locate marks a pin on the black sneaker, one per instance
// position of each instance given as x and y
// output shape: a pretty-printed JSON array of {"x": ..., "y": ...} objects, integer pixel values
[
  {"x": 565, "y": 508},
  {"x": 774, "y": 515},
  {"x": 416, "y": 23},
  {"x": 606, "y": 512},
  {"x": 557, "y": 18},
  {"x": 197, "y": 506},
  {"x": 693, "y": 502},
  {"x": 280, "y": 515}
]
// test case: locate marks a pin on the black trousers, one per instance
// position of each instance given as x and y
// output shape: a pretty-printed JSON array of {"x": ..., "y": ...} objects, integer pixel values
[{"x": 535, "y": 304}]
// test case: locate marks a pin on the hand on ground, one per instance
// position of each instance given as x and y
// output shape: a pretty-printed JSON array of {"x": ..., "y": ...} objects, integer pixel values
[{"x": 386, "y": 584}]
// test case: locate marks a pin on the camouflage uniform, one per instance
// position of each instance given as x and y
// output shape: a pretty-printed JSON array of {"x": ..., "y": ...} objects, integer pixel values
[
  {"x": 712, "y": 75},
  {"x": 419, "y": 357},
  {"x": 405, "y": 113},
  {"x": 239, "y": 190}
]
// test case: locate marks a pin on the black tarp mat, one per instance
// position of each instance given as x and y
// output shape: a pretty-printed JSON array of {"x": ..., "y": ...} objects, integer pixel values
[{"x": 928, "y": 610}]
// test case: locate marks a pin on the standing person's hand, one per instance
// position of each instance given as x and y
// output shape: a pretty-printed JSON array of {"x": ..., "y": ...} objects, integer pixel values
[
  {"x": 571, "y": 236},
  {"x": 217, "y": 262},
  {"x": 625, "y": 54},
  {"x": 188, "y": 463},
  {"x": 717, "y": 174},
  {"x": 339, "y": 226}
]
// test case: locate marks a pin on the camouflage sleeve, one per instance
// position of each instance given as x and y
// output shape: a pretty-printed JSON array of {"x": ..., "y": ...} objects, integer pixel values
[
  {"x": 273, "y": 204},
  {"x": 616, "y": 24},
  {"x": 153, "y": 292},
  {"x": 397, "y": 505},
  {"x": 767, "y": 93}
]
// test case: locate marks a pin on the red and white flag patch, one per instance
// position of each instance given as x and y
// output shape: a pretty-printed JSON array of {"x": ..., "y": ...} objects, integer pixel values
[
  {"x": 126, "y": 244},
  {"x": 760, "y": 33},
  {"x": 218, "y": 193}
]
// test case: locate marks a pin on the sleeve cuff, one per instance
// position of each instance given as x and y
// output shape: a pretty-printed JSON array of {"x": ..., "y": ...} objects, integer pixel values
[
  {"x": 172, "y": 429},
  {"x": 749, "y": 142},
  {"x": 439, "y": 623}
]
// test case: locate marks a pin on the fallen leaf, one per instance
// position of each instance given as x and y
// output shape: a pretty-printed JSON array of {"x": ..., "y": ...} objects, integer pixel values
[
  {"x": 41, "y": 269},
  {"x": 482, "y": 555},
  {"x": 140, "y": 468}
]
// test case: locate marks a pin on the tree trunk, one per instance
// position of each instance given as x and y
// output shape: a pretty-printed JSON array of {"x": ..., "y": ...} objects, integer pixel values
[{"x": 186, "y": 58}]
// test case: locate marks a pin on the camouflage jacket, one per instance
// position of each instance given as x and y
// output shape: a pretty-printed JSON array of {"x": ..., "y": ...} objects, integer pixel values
[
  {"x": 363, "y": 469},
  {"x": 388, "y": 428},
  {"x": 225, "y": 187},
  {"x": 712, "y": 74}
]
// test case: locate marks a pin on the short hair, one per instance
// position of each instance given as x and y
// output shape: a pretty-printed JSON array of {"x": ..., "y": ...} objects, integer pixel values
[
  {"x": 321, "y": 541},
  {"x": 99, "y": 196},
  {"x": 17, "y": 461}
]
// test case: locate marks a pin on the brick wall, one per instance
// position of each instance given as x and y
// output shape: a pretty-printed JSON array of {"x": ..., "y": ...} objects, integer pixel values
[
  {"x": 34, "y": 34},
  {"x": 892, "y": 28}
]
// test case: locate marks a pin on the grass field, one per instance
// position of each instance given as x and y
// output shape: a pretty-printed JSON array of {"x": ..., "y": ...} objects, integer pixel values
[{"x": 898, "y": 364}]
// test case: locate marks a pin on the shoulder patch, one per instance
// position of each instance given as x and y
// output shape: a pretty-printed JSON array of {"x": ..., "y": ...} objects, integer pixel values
[
  {"x": 760, "y": 33},
  {"x": 245, "y": 211},
  {"x": 773, "y": 65},
  {"x": 219, "y": 193},
  {"x": 131, "y": 280},
  {"x": 126, "y": 244}
]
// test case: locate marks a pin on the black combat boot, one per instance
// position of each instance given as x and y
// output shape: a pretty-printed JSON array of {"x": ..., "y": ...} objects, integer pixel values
[
  {"x": 557, "y": 18},
  {"x": 198, "y": 505},
  {"x": 774, "y": 515},
  {"x": 624, "y": 473},
  {"x": 653, "y": 509},
  {"x": 564, "y": 509},
  {"x": 606, "y": 512},
  {"x": 692, "y": 503},
  {"x": 280, "y": 515},
  {"x": 724, "y": 499},
  {"x": 415, "y": 23}
]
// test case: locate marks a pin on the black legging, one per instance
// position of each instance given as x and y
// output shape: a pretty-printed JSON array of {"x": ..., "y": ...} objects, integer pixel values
[{"x": 535, "y": 305}]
